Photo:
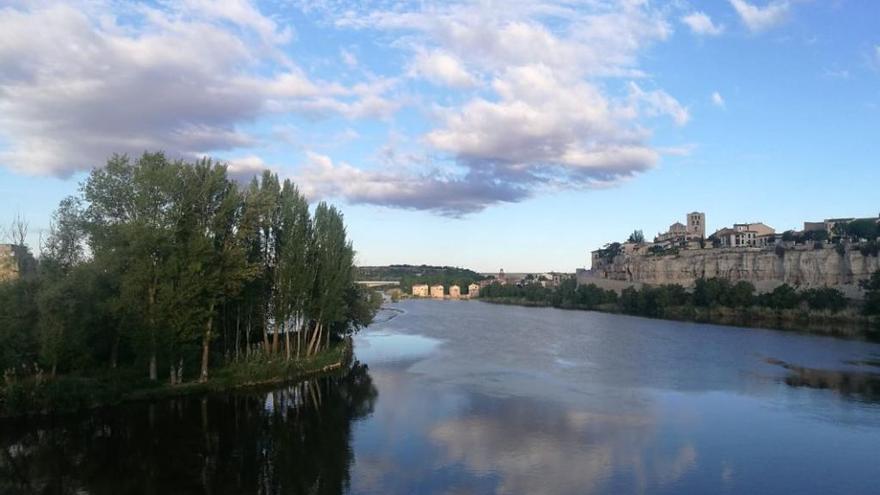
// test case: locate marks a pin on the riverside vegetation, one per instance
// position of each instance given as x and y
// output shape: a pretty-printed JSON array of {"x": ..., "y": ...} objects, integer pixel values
[
  {"x": 167, "y": 265},
  {"x": 714, "y": 300}
]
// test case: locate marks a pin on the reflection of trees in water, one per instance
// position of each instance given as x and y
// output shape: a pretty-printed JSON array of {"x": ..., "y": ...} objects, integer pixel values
[
  {"x": 850, "y": 384},
  {"x": 290, "y": 440}
]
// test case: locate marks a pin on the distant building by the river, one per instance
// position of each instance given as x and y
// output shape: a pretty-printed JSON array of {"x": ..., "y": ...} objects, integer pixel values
[
  {"x": 437, "y": 291},
  {"x": 454, "y": 291},
  {"x": 473, "y": 290},
  {"x": 420, "y": 290}
]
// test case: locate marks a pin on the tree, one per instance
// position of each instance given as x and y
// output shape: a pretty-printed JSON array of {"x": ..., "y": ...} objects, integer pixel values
[
  {"x": 782, "y": 297},
  {"x": 865, "y": 228},
  {"x": 333, "y": 260},
  {"x": 825, "y": 298},
  {"x": 637, "y": 237},
  {"x": 872, "y": 294},
  {"x": 156, "y": 260},
  {"x": 18, "y": 230}
]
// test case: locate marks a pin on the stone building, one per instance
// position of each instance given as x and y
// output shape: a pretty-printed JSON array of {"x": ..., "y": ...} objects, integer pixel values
[
  {"x": 454, "y": 291},
  {"x": 746, "y": 235},
  {"x": 696, "y": 224},
  {"x": 15, "y": 261},
  {"x": 420, "y": 290},
  {"x": 680, "y": 233},
  {"x": 473, "y": 290},
  {"x": 437, "y": 291}
]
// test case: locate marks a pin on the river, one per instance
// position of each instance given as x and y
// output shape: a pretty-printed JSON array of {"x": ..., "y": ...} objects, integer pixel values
[{"x": 454, "y": 397}]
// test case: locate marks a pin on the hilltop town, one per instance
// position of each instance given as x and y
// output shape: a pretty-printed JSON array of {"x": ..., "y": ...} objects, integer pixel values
[{"x": 838, "y": 252}]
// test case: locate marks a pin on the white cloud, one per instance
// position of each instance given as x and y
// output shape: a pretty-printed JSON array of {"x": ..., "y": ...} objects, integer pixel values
[
  {"x": 538, "y": 95},
  {"x": 658, "y": 102},
  {"x": 433, "y": 191},
  {"x": 183, "y": 78},
  {"x": 441, "y": 68},
  {"x": 761, "y": 18},
  {"x": 246, "y": 167},
  {"x": 348, "y": 58},
  {"x": 546, "y": 121},
  {"x": 701, "y": 23},
  {"x": 718, "y": 100}
]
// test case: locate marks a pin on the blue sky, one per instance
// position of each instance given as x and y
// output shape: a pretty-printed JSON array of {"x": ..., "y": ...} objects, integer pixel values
[{"x": 509, "y": 134}]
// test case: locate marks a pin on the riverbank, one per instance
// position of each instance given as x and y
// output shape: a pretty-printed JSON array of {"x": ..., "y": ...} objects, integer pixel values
[
  {"x": 844, "y": 324},
  {"x": 69, "y": 393}
]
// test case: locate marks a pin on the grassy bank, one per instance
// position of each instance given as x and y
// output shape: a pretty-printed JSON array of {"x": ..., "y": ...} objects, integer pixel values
[
  {"x": 68, "y": 393},
  {"x": 846, "y": 324}
]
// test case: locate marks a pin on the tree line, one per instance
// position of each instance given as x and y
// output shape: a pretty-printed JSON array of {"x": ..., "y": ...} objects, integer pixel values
[
  {"x": 165, "y": 263},
  {"x": 657, "y": 301}
]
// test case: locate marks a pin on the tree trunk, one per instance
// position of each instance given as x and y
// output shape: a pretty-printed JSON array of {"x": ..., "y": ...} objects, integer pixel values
[
  {"x": 311, "y": 340},
  {"x": 172, "y": 374},
  {"x": 154, "y": 373},
  {"x": 238, "y": 333},
  {"x": 300, "y": 329},
  {"x": 286, "y": 327},
  {"x": 114, "y": 350},
  {"x": 247, "y": 337},
  {"x": 206, "y": 346},
  {"x": 275, "y": 337},
  {"x": 266, "y": 334}
]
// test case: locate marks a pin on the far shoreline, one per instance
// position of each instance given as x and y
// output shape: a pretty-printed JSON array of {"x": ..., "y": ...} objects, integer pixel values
[{"x": 843, "y": 326}]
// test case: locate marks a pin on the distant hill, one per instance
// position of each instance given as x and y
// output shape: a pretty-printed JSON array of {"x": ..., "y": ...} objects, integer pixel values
[{"x": 408, "y": 275}]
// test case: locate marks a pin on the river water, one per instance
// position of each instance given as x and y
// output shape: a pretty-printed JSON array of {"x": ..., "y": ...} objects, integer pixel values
[{"x": 465, "y": 397}]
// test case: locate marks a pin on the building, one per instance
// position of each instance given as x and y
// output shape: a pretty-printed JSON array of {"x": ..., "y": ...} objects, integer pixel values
[
  {"x": 15, "y": 261},
  {"x": 420, "y": 290},
  {"x": 760, "y": 229},
  {"x": 745, "y": 235},
  {"x": 437, "y": 291},
  {"x": 696, "y": 224},
  {"x": 680, "y": 233},
  {"x": 454, "y": 291},
  {"x": 473, "y": 290},
  {"x": 830, "y": 224}
]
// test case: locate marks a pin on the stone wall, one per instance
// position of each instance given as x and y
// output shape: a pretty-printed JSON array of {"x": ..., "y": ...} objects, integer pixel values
[
  {"x": 15, "y": 261},
  {"x": 764, "y": 268}
]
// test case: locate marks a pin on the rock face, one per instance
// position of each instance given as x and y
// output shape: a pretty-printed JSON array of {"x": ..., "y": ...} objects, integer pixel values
[{"x": 765, "y": 269}]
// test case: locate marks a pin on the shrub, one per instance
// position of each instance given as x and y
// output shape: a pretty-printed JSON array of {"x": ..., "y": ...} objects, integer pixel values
[
  {"x": 825, "y": 299},
  {"x": 782, "y": 297}
]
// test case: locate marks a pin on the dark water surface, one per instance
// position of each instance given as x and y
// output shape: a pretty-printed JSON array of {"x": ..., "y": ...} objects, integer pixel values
[{"x": 466, "y": 397}]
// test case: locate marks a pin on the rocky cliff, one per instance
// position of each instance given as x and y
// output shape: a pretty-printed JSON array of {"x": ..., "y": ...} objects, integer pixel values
[{"x": 764, "y": 268}]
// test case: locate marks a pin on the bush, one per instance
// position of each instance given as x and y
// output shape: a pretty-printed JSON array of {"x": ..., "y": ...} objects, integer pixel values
[
  {"x": 872, "y": 294},
  {"x": 825, "y": 299},
  {"x": 870, "y": 248},
  {"x": 782, "y": 297}
]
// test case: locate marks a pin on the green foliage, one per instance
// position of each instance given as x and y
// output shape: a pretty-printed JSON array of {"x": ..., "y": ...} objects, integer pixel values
[
  {"x": 609, "y": 252},
  {"x": 863, "y": 228},
  {"x": 161, "y": 264},
  {"x": 825, "y": 299},
  {"x": 782, "y": 297},
  {"x": 872, "y": 294},
  {"x": 870, "y": 248},
  {"x": 637, "y": 237},
  {"x": 409, "y": 275}
]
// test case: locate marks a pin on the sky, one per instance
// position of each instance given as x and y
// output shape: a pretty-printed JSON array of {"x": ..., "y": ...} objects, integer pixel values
[{"x": 507, "y": 134}]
